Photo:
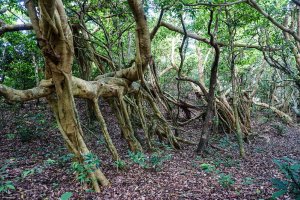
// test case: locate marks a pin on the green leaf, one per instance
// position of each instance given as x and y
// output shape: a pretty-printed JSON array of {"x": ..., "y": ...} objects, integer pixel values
[
  {"x": 295, "y": 167},
  {"x": 279, "y": 193},
  {"x": 279, "y": 184},
  {"x": 66, "y": 195},
  {"x": 27, "y": 173},
  {"x": 12, "y": 187}
]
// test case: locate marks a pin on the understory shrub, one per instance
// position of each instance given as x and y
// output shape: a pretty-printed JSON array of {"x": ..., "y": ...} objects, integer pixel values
[
  {"x": 290, "y": 184},
  {"x": 154, "y": 161}
]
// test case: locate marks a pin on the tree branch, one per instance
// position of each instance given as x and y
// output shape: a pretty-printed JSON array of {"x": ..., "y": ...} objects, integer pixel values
[
  {"x": 144, "y": 41},
  {"x": 215, "y": 5},
  {"x": 13, "y": 95},
  {"x": 221, "y": 44},
  {"x": 254, "y": 5},
  {"x": 104, "y": 87},
  {"x": 297, "y": 2},
  {"x": 155, "y": 29},
  {"x": 12, "y": 28}
]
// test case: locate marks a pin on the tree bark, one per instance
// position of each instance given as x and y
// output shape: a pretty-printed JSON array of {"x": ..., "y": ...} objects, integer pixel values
[{"x": 203, "y": 143}]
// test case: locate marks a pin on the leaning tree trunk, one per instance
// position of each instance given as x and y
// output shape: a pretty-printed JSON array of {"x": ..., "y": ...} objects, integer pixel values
[
  {"x": 84, "y": 55},
  {"x": 210, "y": 111},
  {"x": 235, "y": 105},
  {"x": 56, "y": 42}
]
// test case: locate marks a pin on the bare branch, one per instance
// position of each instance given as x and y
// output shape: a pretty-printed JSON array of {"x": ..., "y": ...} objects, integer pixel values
[
  {"x": 215, "y": 5},
  {"x": 3, "y": 10},
  {"x": 254, "y": 5},
  {"x": 155, "y": 29},
  {"x": 12, "y": 28},
  {"x": 297, "y": 2},
  {"x": 221, "y": 44}
]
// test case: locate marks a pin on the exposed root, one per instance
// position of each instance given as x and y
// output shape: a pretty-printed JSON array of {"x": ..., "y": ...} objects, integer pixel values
[{"x": 106, "y": 135}]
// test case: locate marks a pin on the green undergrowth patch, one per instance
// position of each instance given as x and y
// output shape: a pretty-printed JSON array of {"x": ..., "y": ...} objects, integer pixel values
[
  {"x": 290, "y": 183},
  {"x": 29, "y": 126},
  {"x": 153, "y": 161},
  {"x": 215, "y": 166}
]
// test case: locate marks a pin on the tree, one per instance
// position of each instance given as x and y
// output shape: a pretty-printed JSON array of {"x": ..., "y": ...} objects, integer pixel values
[{"x": 55, "y": 40}]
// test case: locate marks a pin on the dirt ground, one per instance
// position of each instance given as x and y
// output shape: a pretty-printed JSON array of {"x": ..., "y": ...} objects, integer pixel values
[{"x": 40, "y": 168}]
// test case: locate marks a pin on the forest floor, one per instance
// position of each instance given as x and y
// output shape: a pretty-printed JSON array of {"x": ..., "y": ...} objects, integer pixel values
[{"x": 41, "y": 168}]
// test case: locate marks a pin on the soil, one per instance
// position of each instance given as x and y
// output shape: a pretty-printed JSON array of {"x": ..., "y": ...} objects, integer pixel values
[{"x": 40, "y": 169}]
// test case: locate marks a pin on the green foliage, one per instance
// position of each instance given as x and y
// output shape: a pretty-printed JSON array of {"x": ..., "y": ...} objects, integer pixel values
[
  {"x": 291, "y": 183},
  {"x": 101, "y": 140},
  {"x": 207, "y": 167},
  {"x": 25, "y": 133},
  {"x": 154, "y": 161},
  {"x": 66, "y": 196},
  {"x": 6, "y": 186},
  {"x": 30, "y": 126},
  {"x": 162, "y": 145},
  {"x": 90, "y": 163},
  {"x": 138, "y": 158},
  {"x": 226, "y": 180},
  {"x": 49, "y": 162},
  {"x": 248, "y": 181},
  {"x": 280, "y": 128},
  {"x": 224, "y": 142},
  {"x": 27, "y": 172},
  {"x": 10, "y": 136},
  {"x": 120, "y": 164},
  {"x": 65, "y": 158}
]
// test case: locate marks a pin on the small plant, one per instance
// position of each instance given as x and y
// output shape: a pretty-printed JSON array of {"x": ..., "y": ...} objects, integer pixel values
[
  {"x": 156, "y": 160},
  {"x": 162, "y": 145},
  {"x": 30, "y": 126},
  {"x": 66, "y": 158},
  {"x": 49, "y": 162},
  {"x": 291, "y": 183},
  {"x": 248, "y": 181},
  {"x": 224, "y": 142},
  {"x": 138, "y": 158},
  {"x": 10, "y": 136},
  {"x": 66, "y": 196},
  {"x": 280, "y": 128},
  {"x": 39, "y": 118},
  {"x": 226, "y": 180},
  {"x": 101, "y": 141},
  {"x": 81, "y": 171},
  {"x": 25, "y": 133},
  {"x": 167, "y": 147},
  {"x": 207, "y": 167},
  {"x": 229, "y": 162},
  {"x": 6, "y": 186},
  {"x": 91, "y": 162},
  {"x": 28, "y": 172},
  {"x": 120, "y": 164}
]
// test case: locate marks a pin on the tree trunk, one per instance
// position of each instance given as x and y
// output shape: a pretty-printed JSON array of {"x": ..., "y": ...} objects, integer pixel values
[
  {"x": 203, "y": 143},
  {"x": 56, "y": 42}
]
